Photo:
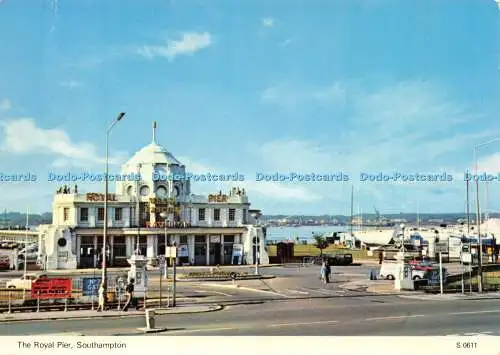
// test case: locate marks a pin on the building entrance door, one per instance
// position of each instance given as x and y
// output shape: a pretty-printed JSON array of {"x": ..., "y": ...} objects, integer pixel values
[
  {"x": 87, "y": 252},
  {"x": 215, "y": 257}
]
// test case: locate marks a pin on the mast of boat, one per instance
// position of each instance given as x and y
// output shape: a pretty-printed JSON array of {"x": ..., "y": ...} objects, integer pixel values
[
  {"x": 359, "y": 214},
  {"x": 352, "y": 209},
  {"x": 418, "y": 215},
  {"x": 486, "y": 213}
]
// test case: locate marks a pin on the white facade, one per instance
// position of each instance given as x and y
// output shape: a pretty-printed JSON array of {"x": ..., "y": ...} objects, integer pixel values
[{"x": 155, "y": 200}]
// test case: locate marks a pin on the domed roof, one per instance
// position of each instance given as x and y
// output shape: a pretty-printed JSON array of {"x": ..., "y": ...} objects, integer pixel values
[{"x": 153, "y": 154}]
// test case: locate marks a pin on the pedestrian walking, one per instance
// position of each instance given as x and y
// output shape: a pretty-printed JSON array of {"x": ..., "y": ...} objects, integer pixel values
[
  {"x": 323, "y": 271},
  {"x": 100, "y": 307},
  {"x": 328, "y": 271},
  {"x": 130, "y": 296}
]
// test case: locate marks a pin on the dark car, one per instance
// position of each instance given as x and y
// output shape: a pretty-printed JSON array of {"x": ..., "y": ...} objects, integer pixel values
[{"x": 338, "y": 259}]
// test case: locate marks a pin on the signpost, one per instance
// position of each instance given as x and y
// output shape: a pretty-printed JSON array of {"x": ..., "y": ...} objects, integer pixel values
[
  {"x": 45, "y": 288},
  {"x": 441, "y": 272},
  {"x": 162, "y": 265},
  {"x": 120, "y": 288}
]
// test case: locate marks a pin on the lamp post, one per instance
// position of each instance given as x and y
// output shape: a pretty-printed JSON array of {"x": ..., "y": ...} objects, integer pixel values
[
  {"x": 164, "y": 215},
  {"x": 478, "y": 214},
  {"x": 105, "y": 229},
  {"x": 256, "y": 215}
]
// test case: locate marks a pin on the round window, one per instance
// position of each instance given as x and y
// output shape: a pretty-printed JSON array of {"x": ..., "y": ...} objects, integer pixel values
[{"x": 61, "y": 242}]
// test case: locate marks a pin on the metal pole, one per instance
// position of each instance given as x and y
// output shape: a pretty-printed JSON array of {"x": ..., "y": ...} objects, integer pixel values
[
  {"x": 174, "y": 283},
  {"x": 463, "y": 272},
  {"x": 480, "y": 259},
  {"x": 26, "y": 245},
  {"x": 165, "y": 264},
  {"x": 105, "y": 229},
  {"x": 160, "y": 283},
  {"x": 166, "y": 278},
  {"x": 468, "y": 210},
  {"x": 441, "y": 272},
  {"x": 10, "y": 302}
]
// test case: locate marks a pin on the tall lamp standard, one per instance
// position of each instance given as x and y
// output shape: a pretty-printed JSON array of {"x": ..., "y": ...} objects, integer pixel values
[
  {"x": 256, "y": 216},
  {"x": 164, "y": 215},
  {"x": 478, "y": 214},
  {"x": 105, "y": 229}
]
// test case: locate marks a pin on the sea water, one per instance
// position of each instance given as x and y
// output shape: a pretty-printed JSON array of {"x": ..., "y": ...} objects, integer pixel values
[{"x": 304, "y": 233}]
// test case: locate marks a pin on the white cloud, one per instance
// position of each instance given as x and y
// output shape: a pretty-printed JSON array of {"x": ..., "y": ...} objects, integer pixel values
[
  {"x": 5, "y": 105},
  {"x": 71, "y": 84},
  {"x": 189, "y": 44},
  {"x": 22, "y": 136},
  {"x": 403, "y": 127},
  {"x": 269, "y": 190},
  {"x": 268, "y": 22}
]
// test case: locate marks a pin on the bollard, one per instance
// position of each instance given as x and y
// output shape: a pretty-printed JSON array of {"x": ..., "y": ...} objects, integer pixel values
[
  {"x": 150, "y": 322},
  {"x": 10, "y": 302},
  {"x": 92, "y": 300},
  {"x": 38, "y": 304},
  {"x": 65, "y": 305},
  {"x": 150, "y": 318}
]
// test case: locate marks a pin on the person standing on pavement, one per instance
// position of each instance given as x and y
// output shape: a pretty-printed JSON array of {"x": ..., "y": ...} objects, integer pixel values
[
  {"x": 100, "y": 307},
  {"x": 323, "y": 271}
]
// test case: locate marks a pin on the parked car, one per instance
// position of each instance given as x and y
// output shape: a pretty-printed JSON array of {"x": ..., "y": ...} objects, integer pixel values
[
  {"x": 24, "y": 282},
  {"x": 4, "y": 262},
  {"x": 338, "y": 259}
]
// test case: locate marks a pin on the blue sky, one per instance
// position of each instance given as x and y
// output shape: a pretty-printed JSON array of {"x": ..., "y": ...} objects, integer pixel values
[{"x": 248, "y": 86}]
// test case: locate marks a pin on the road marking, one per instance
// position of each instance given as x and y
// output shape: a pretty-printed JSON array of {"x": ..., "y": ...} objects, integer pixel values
[
  {"x": 396, "y": 317},
  {"x": 217, "y": 292},
  {"x": 297, "y": 291},
  {"x": 476, "y": 312},
  {"x": 237, "y": 287},
  {"x": 299, "y": 324},
  {"x": 200, "y": 330},
  {"x": 324, "y": 292}
]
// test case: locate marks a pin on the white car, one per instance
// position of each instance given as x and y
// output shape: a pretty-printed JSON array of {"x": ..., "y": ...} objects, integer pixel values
[{"x": 23, "y": 282}]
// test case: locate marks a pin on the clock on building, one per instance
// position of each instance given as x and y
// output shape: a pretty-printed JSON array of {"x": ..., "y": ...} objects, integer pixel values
[
  {"x": 144, "y": 190},
  {"x": 161, "y": 192}
]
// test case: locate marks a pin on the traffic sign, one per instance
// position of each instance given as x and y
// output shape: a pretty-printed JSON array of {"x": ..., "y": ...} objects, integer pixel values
[
  {"x": 161, "y": 260},
  {"x": 170, "y": 252},
  {"x": 441, "y": 248}
]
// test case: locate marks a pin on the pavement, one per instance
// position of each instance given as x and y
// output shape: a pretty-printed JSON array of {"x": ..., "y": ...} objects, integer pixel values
[
  {"x": 93, "y": 314},
  {"x": 346, "y": 316}
]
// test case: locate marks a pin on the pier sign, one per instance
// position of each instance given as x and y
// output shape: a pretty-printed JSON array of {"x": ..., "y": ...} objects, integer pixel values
[{"x": 90, "y": 286}]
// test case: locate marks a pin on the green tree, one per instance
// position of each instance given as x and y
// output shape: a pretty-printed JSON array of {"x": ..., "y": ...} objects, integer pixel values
[{"x": 320, "y": 243}]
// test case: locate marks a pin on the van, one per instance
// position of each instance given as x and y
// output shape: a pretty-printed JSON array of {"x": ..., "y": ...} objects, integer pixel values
[{"x": 389, "y": 269}]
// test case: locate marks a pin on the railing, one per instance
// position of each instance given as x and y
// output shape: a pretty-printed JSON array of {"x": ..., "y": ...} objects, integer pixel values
[{"x": 180, "y": 224}]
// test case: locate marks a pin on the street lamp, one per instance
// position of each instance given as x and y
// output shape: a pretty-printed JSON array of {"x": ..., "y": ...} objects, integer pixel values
[
  {"x": 478, "y": 214},
  {"x": 105, "y": 230},
  {"x": 164, "y": 215},
  {"x": 256, "y": 242}
]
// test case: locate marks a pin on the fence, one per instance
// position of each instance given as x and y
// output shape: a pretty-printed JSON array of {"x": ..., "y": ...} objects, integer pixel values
[{"x": 18, "y": 299}]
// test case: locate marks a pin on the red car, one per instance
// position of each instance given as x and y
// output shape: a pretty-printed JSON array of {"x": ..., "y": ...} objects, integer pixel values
[{"x": 421, "y": 265}]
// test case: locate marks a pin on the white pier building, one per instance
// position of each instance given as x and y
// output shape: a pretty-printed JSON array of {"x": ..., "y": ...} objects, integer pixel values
[{"x": 217, "y": 229}]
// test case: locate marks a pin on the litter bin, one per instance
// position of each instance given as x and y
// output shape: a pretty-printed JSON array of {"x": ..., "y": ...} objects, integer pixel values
[
  {"x": 150, "y": 318},
  {"x": 111, "y": 297}
]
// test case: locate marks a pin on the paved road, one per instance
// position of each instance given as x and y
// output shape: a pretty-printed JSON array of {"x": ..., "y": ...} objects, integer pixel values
[{"x": 369, "y": 315}]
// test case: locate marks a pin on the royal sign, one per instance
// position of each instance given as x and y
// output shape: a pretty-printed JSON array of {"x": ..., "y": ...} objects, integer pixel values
[
  {"x": 217, "y": 198},
  {"x": 92, "y": 196},
  {"x": 45, "y": 288}
]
